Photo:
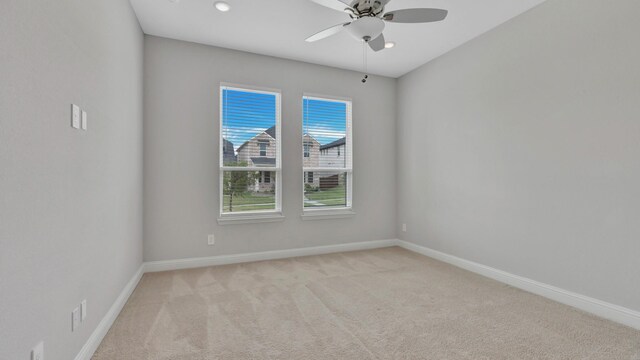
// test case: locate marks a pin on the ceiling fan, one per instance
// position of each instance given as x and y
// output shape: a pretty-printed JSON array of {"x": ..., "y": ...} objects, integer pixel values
[{"x": 368, "y": 19}]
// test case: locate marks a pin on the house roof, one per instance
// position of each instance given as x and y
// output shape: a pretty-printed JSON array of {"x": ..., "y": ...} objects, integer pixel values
[
  {"x": 270, "y": 131},
  {"x": 334, "y": 144},
  {"x": 227, "y": 147},
  {"x": 258, "y": 161}
]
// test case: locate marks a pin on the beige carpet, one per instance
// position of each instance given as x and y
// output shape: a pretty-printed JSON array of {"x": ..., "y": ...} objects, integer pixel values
[{"x": 376, "y": 304}]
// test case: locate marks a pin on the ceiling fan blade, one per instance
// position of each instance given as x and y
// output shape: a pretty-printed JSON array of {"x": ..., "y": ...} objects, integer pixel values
[
  {"x": 333, "y": 4},
  {"x": 377, "y": 44},
  {"x": 326, "y": 32},
  {"x": 415, "y": 15}
]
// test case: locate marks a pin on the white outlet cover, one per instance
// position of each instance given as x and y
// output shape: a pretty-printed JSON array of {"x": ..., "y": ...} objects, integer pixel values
[
  {"x": 404, "y": 227},
  {"x": 75, "y": 319},
  {"x": 211, "y": 240},
  {"x": 83, "y": 310},
  {"x": 38, "y": 352},
  {"x": 84, "y": 120},
  {"x": 75, "y": 116}
]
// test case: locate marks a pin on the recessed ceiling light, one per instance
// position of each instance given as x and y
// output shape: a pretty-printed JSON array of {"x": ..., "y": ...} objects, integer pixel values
[
  {"x": 222, "y": 6},
  {"x": 389, "y": 44}
]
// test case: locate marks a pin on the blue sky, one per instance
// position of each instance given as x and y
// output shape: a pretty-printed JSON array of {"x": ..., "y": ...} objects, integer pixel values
[
  {"x": 246, "y": 114},
  {"x": 324, "y": 120}
]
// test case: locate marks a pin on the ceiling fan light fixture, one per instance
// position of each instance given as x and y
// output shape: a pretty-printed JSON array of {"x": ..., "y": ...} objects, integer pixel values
[
  {"x": 366, "y": 27},
  {"x": 389, "y": 44},
  {"x": 222, "y": 6}
]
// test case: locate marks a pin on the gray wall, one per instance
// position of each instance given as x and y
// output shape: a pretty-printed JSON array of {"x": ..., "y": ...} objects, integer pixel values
[
  {"x": 181, "y": 145},
  {"x": 70, "y": 201},
  {"x": 520, "y": 150}
]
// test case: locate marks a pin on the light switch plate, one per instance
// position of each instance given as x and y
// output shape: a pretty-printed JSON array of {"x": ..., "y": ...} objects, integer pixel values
[
  {"x": 83, "y": 310},
  {"x": 38, "y": 352},
  {"x": 404, "y": 227},
  {"x": 84, "y": 120},
  {"x": 211, "y": 240},
  {"x": 75, "y": 116},
  {"x": 75, "y": 319}
]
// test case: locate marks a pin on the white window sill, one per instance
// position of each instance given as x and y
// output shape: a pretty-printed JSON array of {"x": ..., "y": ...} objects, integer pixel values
[
  {"x": 250, "y": 219},
  {"x": 327, "y": 214}
]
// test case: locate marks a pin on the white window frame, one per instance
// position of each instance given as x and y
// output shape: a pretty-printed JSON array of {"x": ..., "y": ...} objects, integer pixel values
[
  {"x": 332, "y": 211},
  {"x": 256, "y": 216}
]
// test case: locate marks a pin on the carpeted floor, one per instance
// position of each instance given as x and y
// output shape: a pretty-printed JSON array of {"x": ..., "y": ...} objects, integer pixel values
[{"x": 376, "y": 304}]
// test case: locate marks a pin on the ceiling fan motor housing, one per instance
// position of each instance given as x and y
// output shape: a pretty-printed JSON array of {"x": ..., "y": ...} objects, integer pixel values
[
  {"x": 369, "y": 7},
  {"x": 366, "y": 28}
]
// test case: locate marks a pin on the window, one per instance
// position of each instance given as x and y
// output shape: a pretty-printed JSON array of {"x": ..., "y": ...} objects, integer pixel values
[
  {"x": 326, "y": 125},
  {"x": 263, "y": 147},
  {"x": 250, "y": 169},
  {"x": 306, "y": 150}
]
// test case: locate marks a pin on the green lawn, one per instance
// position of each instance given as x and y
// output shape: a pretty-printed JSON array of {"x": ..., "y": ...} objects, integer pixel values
[
  {"x": 330, "y": 197},
  {"x": 266, "y": 201},
  {"x": 251, "y": 202}
]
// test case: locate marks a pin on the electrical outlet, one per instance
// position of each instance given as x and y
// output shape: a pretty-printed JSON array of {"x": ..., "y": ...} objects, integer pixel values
[
  {"x": 83, "y": 310},
  {"x": 211, "y": 240},
  {"x": 75, "y": 319},
  {"x": 404, "y": 227},
  {"x": 37, "y": 353}
]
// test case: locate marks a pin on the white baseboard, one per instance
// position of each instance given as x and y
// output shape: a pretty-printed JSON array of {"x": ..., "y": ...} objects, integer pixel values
[
  {"x": 164, "y": 265},
  {"x": 597, "y": 307},
  {"x": 105, "y": 324}
]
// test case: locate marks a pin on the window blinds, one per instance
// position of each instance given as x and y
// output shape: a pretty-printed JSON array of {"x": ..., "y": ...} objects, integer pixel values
[
  {"x": 249, "y": 150},
  {"x": 327, "y": 158}
]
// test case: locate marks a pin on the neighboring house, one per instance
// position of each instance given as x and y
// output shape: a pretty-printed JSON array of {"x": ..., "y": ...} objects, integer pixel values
[
  {"x": 332, "y": 155},
  {"x": 228, "y": 153},
  {"x": 310, "y": 158},
  {"x": 260, "y": 151}
]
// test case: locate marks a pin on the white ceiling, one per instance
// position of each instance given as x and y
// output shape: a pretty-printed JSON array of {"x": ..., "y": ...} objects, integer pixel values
[{"x": 279, "y": 27}]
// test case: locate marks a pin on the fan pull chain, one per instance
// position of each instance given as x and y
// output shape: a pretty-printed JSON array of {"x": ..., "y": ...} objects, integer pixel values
[{"x": 364, "y": 60}]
